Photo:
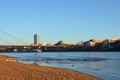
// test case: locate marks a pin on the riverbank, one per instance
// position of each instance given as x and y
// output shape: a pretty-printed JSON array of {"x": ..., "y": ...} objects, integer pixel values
[{"x": 12, "y": 70}]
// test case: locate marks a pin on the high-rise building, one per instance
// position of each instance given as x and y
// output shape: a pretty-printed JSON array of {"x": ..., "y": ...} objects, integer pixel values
[{"x": 36, "y": 39}]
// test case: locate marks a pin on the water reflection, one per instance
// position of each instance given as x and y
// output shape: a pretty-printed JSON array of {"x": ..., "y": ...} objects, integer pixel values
[
  {"x": 97, "y": 66},
  {"x": 38, "y": 58}
]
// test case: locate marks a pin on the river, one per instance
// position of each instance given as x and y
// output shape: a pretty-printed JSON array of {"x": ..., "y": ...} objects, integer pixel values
[{"x": 105, "y": 65}]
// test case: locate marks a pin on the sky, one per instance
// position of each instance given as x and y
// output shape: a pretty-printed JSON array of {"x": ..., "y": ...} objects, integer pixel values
[{"x": 54, "y": 20}]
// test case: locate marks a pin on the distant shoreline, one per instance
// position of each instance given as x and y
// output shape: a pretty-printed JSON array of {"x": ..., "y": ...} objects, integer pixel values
[
  {"x": 56, "y": 51},
  {"x": 61, "y": 48}
]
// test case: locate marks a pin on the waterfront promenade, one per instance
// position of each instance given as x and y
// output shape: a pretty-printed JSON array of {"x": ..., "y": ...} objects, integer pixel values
[{"x": 12, "y": 70}]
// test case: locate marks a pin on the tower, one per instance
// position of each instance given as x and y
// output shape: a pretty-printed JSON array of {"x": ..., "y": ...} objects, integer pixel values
[{"x": 36, "y": 39}]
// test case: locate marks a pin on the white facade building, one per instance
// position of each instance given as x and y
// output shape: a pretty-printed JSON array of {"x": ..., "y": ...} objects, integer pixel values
[
  {"x": 89, "y": 44},
  {"x": 109, "y": 41}
]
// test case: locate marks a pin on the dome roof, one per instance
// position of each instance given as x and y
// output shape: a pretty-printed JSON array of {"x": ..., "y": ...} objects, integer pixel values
[{"x": 61, "y": 43}]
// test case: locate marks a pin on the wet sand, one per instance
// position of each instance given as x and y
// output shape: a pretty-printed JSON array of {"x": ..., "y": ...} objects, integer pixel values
[{"x": 12, "y": 70}]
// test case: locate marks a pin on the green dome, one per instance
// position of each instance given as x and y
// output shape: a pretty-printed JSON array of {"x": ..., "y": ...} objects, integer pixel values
[{"x": 61, "y": 43}]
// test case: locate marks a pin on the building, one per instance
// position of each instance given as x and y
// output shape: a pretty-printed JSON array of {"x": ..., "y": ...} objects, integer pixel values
[
  {"x": 93, "y": 42},
  {"x": 36, "y": 39},
  {"x": 109, "y": 41},
  {"x": 89, "y": 44},
  {"x": 61, "y": 43},
  {"x": 97, "y": 41}
]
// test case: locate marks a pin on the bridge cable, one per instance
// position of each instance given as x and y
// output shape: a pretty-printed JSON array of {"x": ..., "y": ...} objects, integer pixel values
[
  {"x": 13, "y": 37},
  {"x": 5, "y": 41}
]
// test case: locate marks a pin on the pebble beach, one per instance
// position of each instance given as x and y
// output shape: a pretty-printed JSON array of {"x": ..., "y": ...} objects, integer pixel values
[{"x": 12, "y": 70}]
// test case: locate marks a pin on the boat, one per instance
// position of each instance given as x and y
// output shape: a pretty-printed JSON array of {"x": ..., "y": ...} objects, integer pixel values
[{"x": 36, "y": 50}]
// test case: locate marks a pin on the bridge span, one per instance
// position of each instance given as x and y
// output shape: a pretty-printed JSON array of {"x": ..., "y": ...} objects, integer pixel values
[{"x": 19, "y": 48}]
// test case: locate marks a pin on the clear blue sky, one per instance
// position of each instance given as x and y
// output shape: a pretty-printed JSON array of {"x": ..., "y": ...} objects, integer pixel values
[{"x": 54, "y": 20}]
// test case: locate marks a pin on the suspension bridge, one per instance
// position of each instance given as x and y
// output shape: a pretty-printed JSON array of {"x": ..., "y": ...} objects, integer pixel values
[{"x": 8, "y": 46}]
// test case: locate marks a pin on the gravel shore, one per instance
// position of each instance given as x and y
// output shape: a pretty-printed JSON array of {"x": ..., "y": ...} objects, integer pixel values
[{"x": 12, "y": 70}]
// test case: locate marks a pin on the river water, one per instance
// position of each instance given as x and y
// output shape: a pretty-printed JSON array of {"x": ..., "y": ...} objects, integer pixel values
[{"x": 105, "y": 65}]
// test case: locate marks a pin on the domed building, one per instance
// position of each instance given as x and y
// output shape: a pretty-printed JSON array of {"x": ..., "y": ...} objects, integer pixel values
[{"x": 61, "y": 43}]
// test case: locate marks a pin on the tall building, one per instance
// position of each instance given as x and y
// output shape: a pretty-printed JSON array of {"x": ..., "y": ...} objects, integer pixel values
[{"x": 36, "y": 39}]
